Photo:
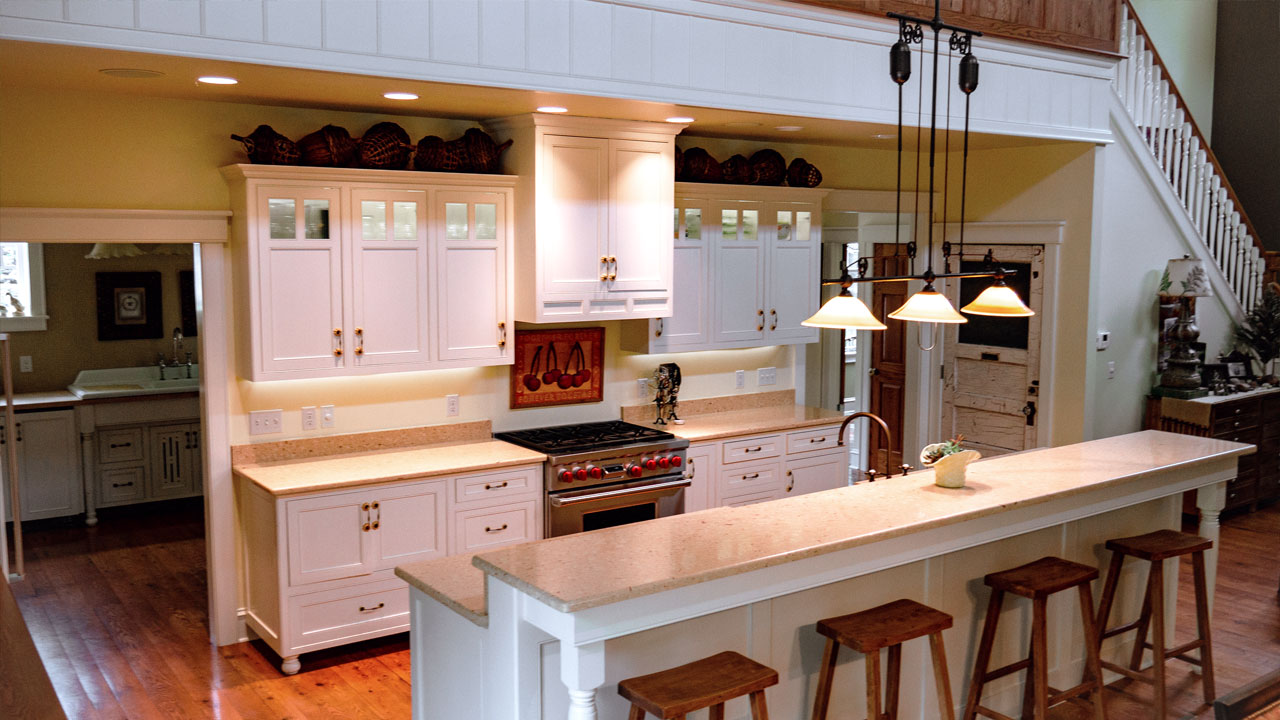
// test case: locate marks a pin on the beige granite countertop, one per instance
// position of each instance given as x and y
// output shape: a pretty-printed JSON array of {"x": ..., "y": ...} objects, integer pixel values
[
  {"x": 453, "y": 581},
  {"x": 711, "y": 426},
  {"x": 55, "y": 399},
  {"x": 289, "y": 477},
  {"x": 577, "y": 572}
]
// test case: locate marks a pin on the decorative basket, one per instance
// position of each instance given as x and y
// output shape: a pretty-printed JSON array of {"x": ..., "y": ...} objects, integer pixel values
[
  {"x": 479, "y": 151},
  {"x": 436, "y": 155},
  {"x": 768, "y": 168},
  {"x": 736, "y": 170},
  {"x": 330, "y": 146},
  {"x": 386, "y": 146},
  {"x": 679, "y": 163},
  {"x": 699, "y": 166},
  {"x": 802, "y": 174},
  {"x": 265, "y": 146}
]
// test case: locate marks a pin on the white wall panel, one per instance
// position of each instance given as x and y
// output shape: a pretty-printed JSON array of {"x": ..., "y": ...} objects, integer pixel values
[
  {"x": 502, "y": 33},
  {"x": 404, "y": 28},
  {"x": 455, "y": 31},
  {"x": 708, "y": 55},
  {"x": 671, "y": 39},
  {"x": 233, "y": 19},
  {"x": 632, "y": 44},
  {"x": 294, "y": 22},
  {"x": 592, "y": 25},
  {"x": 351, "y": 26},
  {"x": 107, "y": 13},
  {"x": 550, "y": 28},
  {"x": 35, "y": 9},
  {"x": 170, "y": 16}
]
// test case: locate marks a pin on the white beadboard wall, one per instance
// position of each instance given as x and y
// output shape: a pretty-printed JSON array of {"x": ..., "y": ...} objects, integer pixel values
[{"x": 744, "y": 55}]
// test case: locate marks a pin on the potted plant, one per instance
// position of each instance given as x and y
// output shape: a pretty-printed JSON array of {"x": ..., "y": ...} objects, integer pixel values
[
  {"x": 948, "y": 461},
  {"x": 1260, "y": 333}
]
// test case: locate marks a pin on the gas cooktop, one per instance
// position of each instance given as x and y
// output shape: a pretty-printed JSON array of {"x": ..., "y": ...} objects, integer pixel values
[{"x": 584, "y": 437}]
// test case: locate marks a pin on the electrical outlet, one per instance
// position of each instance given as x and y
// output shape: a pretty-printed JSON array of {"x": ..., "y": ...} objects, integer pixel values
[
  {"x": 642, "y": 388},
  {"x": 326, "y": 416},
  {"x": 310, "y": 419},
  {"x": 266, "y": 422},
  {"x": 451, "y": 405},
  {"x": 24, "y": 363},
  {"x": 767, "y": 376},
  {"x": 1104, "y": 339},
  {"x": 1111, "y": 370},
  {"x": 740, "y": 379}
]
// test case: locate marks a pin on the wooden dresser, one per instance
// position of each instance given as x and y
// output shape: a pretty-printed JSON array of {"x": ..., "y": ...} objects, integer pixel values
[{"x": 1252, "y": 417}]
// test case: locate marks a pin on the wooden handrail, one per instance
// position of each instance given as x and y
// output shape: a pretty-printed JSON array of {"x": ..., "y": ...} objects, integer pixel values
[{"x": 1195, "y": 128}]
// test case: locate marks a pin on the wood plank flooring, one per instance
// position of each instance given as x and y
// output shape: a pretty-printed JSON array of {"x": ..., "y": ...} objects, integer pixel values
[{"x": 118, "y": 614}]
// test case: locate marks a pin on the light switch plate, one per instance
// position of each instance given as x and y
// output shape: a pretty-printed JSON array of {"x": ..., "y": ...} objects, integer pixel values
[
  {"x": 326, "y": 416},
  {"x": 740, "y": 379},
  {"x": 451, "y": 405},
  {"x": 310, "y": 418},
  {"x": 24, "y": 363},
  {"x": 767, "y": 376},
  {"x": 266, "y": 422},
  {"x": 1111, "y": 370},
  {"x": 1104, "y": 339},
  {"x": 642, "y": 388}
]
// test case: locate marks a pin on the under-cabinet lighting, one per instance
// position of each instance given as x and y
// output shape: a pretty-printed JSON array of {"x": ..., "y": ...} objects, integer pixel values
[
  {"x": 400, "y": 96},
  {"x": 789, "y": 128},
  {"x": 553, "y": 109},
  {"x": 679, "y": 119},
  {"x": 217, "y": 80}
]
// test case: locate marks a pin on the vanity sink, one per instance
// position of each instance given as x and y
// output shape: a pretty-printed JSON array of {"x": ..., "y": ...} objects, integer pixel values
[{"x": 125, "y": 382}]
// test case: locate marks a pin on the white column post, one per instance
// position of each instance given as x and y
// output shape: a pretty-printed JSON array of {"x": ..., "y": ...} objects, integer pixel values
[
  {"x": 582, "y": 672},
  {"x": 1210, "y": 499}
]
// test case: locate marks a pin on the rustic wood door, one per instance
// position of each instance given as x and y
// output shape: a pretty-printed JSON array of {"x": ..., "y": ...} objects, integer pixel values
[
  {"x": 991, "y": 377},
  {"x": 888, "y": 360}
]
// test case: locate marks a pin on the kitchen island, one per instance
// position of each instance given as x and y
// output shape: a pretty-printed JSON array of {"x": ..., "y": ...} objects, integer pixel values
[{"x": 550, "y": 627}]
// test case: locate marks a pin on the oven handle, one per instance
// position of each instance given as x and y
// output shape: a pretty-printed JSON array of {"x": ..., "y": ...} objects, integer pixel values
[{"x": 559, "y": 502}]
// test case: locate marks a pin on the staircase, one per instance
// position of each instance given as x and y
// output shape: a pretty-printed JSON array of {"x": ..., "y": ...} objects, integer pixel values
[{"x": 1188, "y": 163}]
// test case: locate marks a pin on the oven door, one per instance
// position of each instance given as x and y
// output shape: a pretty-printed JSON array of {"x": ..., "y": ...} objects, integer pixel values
[{"x": 574, "y": 511}]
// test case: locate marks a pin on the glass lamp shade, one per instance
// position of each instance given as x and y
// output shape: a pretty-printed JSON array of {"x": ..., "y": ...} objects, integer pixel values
[
  {"x": 999, "y": 300},
  {"x": 929, "y": 306},
  {"x": 844, "y": 312},
  {"x": 1187, "y": 278}
]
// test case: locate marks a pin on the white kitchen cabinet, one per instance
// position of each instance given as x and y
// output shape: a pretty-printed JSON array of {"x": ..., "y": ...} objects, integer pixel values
[
  {"x": 808, "y": 474},
  {"x": 746, "y": 275},
  {"x": 49, "y": 477},
  {"x": 594, "y": 202},
  {"x": 700, "y": 470},
  {"x": 140, "y": 451},
  {"x": 175, "y": 461},
  {"x": 353, "y": 272},
  {"x": 754, "y": 468}
]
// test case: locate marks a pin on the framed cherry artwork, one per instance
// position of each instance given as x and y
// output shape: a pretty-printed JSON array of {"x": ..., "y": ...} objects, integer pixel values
[{"x": 557, "y": 367}]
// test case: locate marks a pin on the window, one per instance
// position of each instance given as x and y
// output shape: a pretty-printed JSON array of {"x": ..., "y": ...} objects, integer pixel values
[{"x": 22, "y": 287}]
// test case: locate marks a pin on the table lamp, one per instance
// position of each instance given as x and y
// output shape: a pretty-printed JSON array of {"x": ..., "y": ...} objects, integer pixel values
[{"x": 1185, "y": 278}]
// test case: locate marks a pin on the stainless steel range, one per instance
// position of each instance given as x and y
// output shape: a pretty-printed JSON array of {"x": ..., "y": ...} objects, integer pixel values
[{"x": 605, "y": 474}]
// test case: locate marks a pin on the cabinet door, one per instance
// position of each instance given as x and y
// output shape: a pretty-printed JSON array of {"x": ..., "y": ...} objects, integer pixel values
[
  {"x": 700, "y": 468},
  {"x": 409, "y": 523},
  {"x": 471, "y": 243},
  {"x": 792, "y": 279},
  {"x": 812, "y": 474},
  {"x": 299, "y": 276},
  {"x": 573, "y": 215},
  {"x": 390, "y": 300},
  {"x": 690, "y": 321},
  {"x": 172, "y": 471},
  {"x": 48, "y": 465},
  {"x": 642, "y": 187},
  {"x": 329, "y": 537},
  {"x": 739, "y": 274}
]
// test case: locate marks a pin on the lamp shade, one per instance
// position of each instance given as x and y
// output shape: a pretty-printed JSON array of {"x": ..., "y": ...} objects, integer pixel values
[
  {"x": 929, "y": 306},
  {"x": 844, "y": 312},
  {"x": 1186, "y": 278},
  {"x": 998, "y": 300}
]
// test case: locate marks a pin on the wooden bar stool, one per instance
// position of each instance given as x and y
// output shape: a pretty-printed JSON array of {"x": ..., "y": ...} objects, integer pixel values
[
  {"x": 1037, "y": 581},
  {"x": 1155, "y": 548},
  {"x": 705, "y": 683},
  {"x": 871, "y": 630}
]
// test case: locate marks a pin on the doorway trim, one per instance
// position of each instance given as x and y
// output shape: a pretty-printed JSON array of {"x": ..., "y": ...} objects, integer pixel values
[{"x": 1051, "y": 234}]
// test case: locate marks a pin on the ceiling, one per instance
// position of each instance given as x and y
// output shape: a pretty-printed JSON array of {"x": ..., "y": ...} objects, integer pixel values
[{"x": 79, "y": 69}]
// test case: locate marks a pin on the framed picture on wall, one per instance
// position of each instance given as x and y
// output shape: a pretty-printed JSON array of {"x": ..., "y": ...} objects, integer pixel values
[
  {"x": 129, "y": 305},
  {"x": 557, "y": 367}
]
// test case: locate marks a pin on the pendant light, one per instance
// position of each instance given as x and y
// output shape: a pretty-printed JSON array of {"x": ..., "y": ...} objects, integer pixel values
[
  {"x": 999, "y": 300},
  {"x": 928, "y": 306},
  {"x": 844, "y": 311}
]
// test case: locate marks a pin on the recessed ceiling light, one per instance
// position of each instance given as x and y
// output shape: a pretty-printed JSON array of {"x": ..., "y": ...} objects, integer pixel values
[
  {"x": 217, "y": 80},
  {"x": 789, "y": 128},
  {"x": 553, "y": 109},
  {"x": 680, "y": 119},
  {"x": 136, "y": 73},
  {"x": 400, "y": 96}
]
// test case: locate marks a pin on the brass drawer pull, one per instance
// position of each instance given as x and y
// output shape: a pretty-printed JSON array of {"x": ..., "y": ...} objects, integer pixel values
[
  {"x": 379, "y": 606},
  {"x": 128, "y": 484},
  {"x": 773, "y": 314},
  {"x": 752, "y": 476},
  {"x": 658, "y": 331},
  {"x": 495, "y": 486},
  {"x": 502, "y": 336},
  {"x": 817, "y": 440},
  {"x": 359, "y": 341},
  {"x": 495, "y": 530},
  {"x": 760, "y": 323},
  {"x": 754, "y": 449},
  {"x": 121, "y": 445},
  {"x": 792, "y": 484},
  {"x": 337, "y": 334}
]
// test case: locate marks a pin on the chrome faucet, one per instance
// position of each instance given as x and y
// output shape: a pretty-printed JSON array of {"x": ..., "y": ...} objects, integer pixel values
[
  {"x": 177, "y": 346},
  {"x": 888, "y": 437}
]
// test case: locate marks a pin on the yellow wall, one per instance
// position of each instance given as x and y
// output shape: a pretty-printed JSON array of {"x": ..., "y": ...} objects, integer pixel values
[{"x": 70, "y": 344}]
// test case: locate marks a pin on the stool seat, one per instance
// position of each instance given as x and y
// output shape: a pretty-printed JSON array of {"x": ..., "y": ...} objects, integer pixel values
[
  {"x": 1160, "y": 545},
  {"x": 890, "y": 624},
  {"x": 702, "y": 683},
  {"x": 1042, "y": 577}
]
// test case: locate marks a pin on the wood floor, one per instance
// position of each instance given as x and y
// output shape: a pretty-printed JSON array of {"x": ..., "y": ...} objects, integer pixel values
[{"x": 118, "y": 614}]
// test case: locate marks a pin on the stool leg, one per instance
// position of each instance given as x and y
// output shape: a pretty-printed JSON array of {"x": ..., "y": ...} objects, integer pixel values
[
  {"x": 873, "y": 685},
  {"x": 892, "y": 675},
  {"x": 758, "y": 709},
  {"x": 1144, "y": 622},
  {"x": 1029, "y": 686},
  {"x": 637, "y": 713},
  {"x": 981, "y": 663},
  {"x": 1040, "y": 656},
  {"x": 716, "y": 712},
  {"x": 823, "y": 697},
  {"x": 1202, "y": 626},
  {"x": 1157, "y": 636},
  {"x": 1093, "y": 664},
  {"x": 946, "y": 709},
  {"x": 1109, "y": 593}
]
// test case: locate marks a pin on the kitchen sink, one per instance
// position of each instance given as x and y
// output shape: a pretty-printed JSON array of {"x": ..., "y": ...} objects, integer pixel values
[{"x": 126, "y": 382}]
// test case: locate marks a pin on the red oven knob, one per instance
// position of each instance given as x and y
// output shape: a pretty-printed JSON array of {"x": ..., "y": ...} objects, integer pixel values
[
  {"x": 566, "y": 477},
  {"x": 664, "y": 462},
  {"x": 580, "y": 473},
  {"x": 650, "y": 464},
  {"x": 635, "y": 470},
  {"x": 676, "y": 461},
  {"x": 595, "y": 472}
]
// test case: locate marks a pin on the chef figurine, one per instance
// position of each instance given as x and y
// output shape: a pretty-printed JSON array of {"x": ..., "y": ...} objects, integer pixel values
[{"x": 666, "y": 381}]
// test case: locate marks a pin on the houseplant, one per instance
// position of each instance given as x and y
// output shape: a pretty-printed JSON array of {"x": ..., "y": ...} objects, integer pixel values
[
  {"x": 1260, "y": 333},
  {"x": 948, "y": 460}
]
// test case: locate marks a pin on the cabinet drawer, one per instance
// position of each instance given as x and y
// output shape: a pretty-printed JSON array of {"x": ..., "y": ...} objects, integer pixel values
[
  {"x": 348, "y": 614},
  {"x": 1271, "y": 430},
  {"x": 1240, "y": 492},
  {"x": 810, "y": 440},
  {"x": 1231, "y": 422},
  {"x": 752, "y": 448},
  {"x": 120, "y": 445},
  {"x": 119, "y": 485},
  {"x": 497, "y": 487},
  {"x": 1251, "y": 435},
  {"x": 493, "y": 527},
  {"x": 753, "y": 498},
  {"x": 748, "y": 479}
]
